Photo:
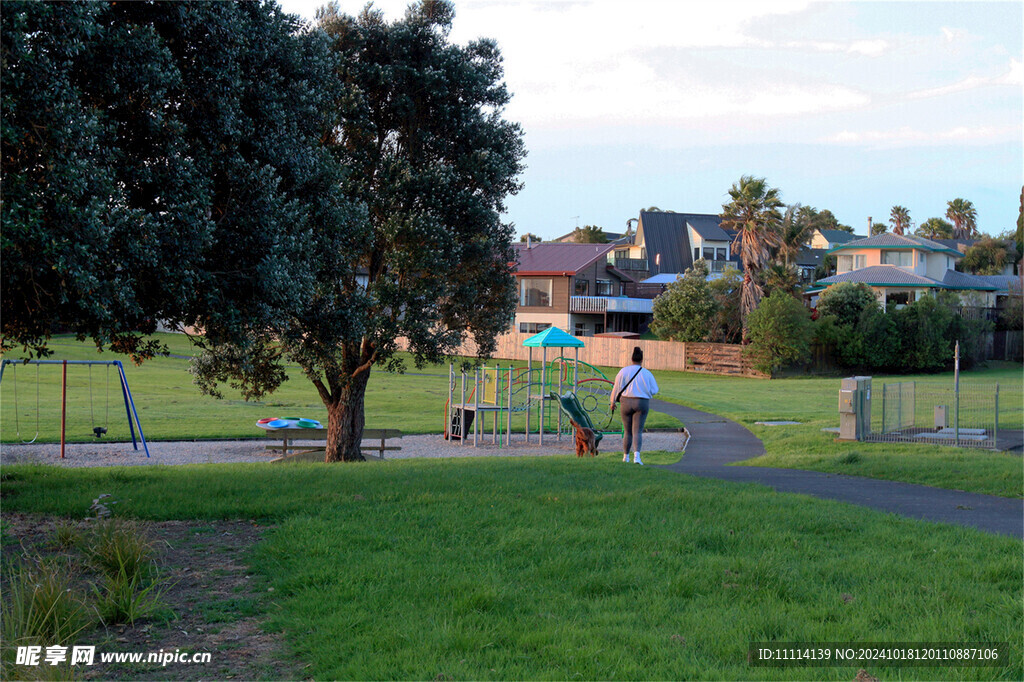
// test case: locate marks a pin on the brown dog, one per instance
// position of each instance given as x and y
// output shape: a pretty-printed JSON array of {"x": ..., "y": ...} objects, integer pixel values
[{"x": 586, "y": 444}]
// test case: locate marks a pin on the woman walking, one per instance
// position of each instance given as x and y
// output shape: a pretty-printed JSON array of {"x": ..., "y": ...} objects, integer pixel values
[{"x": 635, "y": 386}]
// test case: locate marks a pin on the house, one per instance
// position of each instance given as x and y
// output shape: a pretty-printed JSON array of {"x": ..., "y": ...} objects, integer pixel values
[
  {"x": 902, "y": 269},
  {"x": 807, "y": 262},
  {"x": 576, "y": 287},
  {"x": 670, "y": 242},
  {"x": 830, "y": 239}
]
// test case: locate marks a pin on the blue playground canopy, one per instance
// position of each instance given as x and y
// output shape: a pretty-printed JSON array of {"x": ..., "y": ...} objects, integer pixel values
[{"x": 553, "y": 337}]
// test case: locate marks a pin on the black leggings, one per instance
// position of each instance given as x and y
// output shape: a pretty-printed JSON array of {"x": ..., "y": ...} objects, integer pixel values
[{"x": 634, "y": 414}]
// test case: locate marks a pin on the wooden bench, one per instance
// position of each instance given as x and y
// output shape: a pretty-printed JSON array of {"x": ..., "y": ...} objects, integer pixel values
[{"x": 315, "y": 453}]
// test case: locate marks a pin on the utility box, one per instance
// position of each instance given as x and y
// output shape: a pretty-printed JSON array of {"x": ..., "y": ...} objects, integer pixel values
[
  {"x": 941, "y": 417},
  {"x": 855, "y": 408}
]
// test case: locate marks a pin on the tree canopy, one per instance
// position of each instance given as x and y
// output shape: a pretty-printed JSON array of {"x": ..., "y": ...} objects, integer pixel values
[
  {"x": 420, "y": 131},
  {"x": 754, "y": 212},
  {"x": 964, "y": 217},
  {"x": 161, "y": 163},
  {"x": 935, "y": 228},
  {"x": 589, "y": 234},
  {"x": 685, "y": 310}
]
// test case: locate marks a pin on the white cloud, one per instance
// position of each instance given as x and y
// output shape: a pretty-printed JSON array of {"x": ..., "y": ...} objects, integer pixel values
[
  {"x": 906, "y": 136},
  {"x": 1014, "y": 75}
]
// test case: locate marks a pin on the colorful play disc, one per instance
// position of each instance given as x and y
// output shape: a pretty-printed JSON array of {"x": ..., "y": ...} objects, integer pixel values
[
  {"x": 309, "y": 424},
  {"x": 279, "y": 423},
  {"x": 266, "y": 420}
]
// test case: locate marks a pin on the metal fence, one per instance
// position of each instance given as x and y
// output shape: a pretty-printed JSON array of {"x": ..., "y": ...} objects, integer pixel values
[{"x": 977, "y": 416}]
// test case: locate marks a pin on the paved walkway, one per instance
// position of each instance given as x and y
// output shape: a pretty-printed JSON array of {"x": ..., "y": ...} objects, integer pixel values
[{"x": 715, "y": 442}]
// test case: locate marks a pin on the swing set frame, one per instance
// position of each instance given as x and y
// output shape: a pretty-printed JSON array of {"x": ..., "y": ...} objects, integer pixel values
[{"x": 129, "y": 403}]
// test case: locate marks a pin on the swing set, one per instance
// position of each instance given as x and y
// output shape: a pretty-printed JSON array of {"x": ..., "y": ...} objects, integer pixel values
[{"x": 98, "y": 431}]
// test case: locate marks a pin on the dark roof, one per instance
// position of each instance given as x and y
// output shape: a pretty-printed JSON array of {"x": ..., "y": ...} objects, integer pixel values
[
  {"x": 962, "y": 280},
  {"x": 558, "y": 258},
  {"x": 838, "y": 236},
  {"x": 665, "y": 236},
  {"x": 1004, "y": 284},
  {"x": 888, "y": 240},
  {"x": 707, "y": 226},
  {"x": 808, "y": 256}
]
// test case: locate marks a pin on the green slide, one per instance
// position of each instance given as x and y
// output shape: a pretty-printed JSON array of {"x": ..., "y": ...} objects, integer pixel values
[{"x": 571, "y": 407}]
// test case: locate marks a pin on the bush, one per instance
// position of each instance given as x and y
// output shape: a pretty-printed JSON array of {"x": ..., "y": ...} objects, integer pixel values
[
  {"x": 846, "y": 301},
  {"x": 780, "y": 332},
  {"x": 684, "y": 311}
]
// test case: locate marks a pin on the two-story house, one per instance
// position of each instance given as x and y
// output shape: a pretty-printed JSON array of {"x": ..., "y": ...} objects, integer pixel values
[
  {"x": 670, "y": 242},
  {"x": 576, "y": 287},
  {"x": 902, "y": 269},
  {"x": 830, "y": 239}
]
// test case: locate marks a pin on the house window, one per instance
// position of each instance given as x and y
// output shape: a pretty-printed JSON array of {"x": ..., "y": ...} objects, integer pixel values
[
  {"x": 696, "y": 254},
  {"x": 903, "y": 259},
  {"x": 580, "y": 329},
  {"x": 720, "y": 254},
  {"x": 535, "y": 293},
  {"x": 859, "y": 262},
  {"x": 582, "y": 287},
  {"x": 709, "y": 253},
  {"x": 844, "y": 263},
  {"x": 598, "y": 328},
  {"x": 532, "y": 327},
  {"x": 898, "y": 299},
  {"x": 622, "y": 253},
  {"x": 604, "y": 287}
]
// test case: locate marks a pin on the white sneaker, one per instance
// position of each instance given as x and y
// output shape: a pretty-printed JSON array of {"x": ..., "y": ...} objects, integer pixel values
[
  {"x": 625, "y": 457},
  {"x": 636, "y": 458}
]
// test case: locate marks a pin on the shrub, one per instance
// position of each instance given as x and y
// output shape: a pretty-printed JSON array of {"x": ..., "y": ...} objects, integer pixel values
[
  {"x": 118, "y": 548},
  {"x": 684, "y": 311},
  {"x": 40, "y": 606},
  {"x": 846, "y": 301},
  {"x": 780, "y": 332}
]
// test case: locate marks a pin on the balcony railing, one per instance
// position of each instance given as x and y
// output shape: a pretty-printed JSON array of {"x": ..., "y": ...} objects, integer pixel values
[
  {"x": 631, "y": 264},
  {"x": 610, "y": 304}
]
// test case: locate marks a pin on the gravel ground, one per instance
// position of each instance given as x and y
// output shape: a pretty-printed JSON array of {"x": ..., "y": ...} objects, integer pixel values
[{"x": 93, "y": 454}]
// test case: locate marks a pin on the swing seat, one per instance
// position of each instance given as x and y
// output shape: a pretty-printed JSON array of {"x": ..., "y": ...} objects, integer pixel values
[{"x": 572, "y": 408}]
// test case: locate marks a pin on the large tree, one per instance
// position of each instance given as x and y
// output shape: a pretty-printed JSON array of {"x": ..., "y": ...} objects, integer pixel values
[
  {"x": 964, "y": 217},
  {"x": 794, "y": 232},
  {"x": 754, "y": 212},
  {"x": 161, "y": 161},
  {"x": 589, "y": 234},
  {"x": 900, "y": 219},
  {"x": 429, "y": 155},
  {"x": 987, "y": 256},
  {"x": 935, "y": 228},
  {"x": 685, "y": 310}
]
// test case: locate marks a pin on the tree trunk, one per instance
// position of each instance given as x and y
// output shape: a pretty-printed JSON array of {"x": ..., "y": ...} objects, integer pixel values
[{"x": 345, "y": 420}]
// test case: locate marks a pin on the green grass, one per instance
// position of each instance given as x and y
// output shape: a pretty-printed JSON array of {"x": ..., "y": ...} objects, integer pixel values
[
  {"x": 558, "y": 567},
  {"x": 171, "y": 408},
  {"x": 813, "y": 402}
]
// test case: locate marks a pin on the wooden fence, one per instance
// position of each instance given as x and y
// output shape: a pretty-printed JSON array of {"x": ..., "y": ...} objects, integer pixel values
[{"x": 712, "y": 358}]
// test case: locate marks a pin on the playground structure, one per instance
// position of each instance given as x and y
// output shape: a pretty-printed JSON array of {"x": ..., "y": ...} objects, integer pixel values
[
  {"x": 98, "y": 431},
  {"x": 501, "y": 392}
]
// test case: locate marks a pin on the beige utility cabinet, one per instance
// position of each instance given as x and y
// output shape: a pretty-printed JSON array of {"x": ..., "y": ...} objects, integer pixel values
[{"x": 855, "y": 408}]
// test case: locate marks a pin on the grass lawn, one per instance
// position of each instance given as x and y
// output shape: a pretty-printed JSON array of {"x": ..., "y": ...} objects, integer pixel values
[
  {"x": 813, "y": 402},
  {"x": 171, "y": 408},
  {"x": 561, "y": 568}
]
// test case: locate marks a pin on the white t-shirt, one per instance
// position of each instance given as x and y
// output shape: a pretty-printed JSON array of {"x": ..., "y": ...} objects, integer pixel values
[{"x": 643, "y": 386}]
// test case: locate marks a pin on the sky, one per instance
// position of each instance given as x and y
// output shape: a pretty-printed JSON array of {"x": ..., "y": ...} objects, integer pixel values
[{"x": 854, "y": 107}]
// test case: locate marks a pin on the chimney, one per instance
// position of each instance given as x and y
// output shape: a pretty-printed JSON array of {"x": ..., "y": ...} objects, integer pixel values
[
  {"x": 529, "y": 240},
  {"x": 869, "y": 226}
]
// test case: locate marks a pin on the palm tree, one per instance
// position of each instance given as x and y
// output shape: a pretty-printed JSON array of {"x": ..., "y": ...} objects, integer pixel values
[
  {"x": 900, "y": 219},
  {"x": 794, "y": 232},
  {"x": 754, "y": 214},
  {"x": 964, "y": 217}
]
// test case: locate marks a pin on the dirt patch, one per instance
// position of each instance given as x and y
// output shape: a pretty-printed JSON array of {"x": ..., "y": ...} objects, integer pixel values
[{"x": 211, "y": 602}]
